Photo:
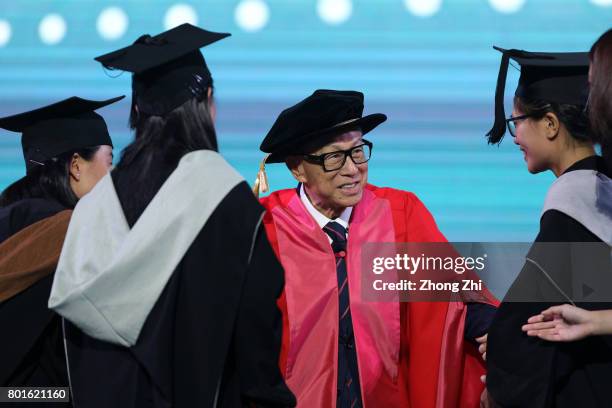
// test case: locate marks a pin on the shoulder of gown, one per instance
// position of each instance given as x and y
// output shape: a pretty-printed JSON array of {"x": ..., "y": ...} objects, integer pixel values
[{"x": 19, "y": 215}]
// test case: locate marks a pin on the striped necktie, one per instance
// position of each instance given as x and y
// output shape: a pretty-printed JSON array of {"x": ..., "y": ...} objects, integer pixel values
[{"x": 349, "y": 393}]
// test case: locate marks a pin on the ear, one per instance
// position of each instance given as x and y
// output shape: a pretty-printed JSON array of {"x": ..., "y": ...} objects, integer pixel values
[
  {"x": 212, "y": 108},
  {"x": 551, "y": 125},
  {"x": 75, "y": 167},
  {"x": 296, "y": 166}
]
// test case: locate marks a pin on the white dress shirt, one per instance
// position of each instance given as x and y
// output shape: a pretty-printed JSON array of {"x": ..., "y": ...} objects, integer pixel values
[{"x": 321, "y": 219}]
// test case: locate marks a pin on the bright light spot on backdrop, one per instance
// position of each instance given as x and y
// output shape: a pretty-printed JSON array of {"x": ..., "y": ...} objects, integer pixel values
[
  {"x": 252, "y": 15},
  {"x": 179, "y": 14},
  {"x": 52, "y": 29},
  {"x": 5, "y": 32},
  {"x": 334, "y": 11},
  {"x": 112, "y": 23},
  {"x": 507, "y": 6},
  {"x": 602, "y": 3},
  {"x": 423, "y": 8}
]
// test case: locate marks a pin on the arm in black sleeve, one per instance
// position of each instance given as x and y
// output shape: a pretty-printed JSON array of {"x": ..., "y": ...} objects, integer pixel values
[
  {"x": 259, "y": 330},
  {"x": 478, "y": 319}
]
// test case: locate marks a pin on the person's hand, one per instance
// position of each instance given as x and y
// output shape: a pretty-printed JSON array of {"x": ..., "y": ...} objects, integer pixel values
[
  {"x": 485, "y": 401},
  {"x": 482, "y": 346},
  {"x": 562, "y": 323}
]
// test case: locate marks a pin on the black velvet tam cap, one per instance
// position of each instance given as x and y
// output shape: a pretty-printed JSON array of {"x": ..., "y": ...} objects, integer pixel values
[
  {"x": 319, "y": 117},
  {"x": 64, "y": 126},
  {"x": 168, "y": 68},
  {"x": 560, "y": 77}
]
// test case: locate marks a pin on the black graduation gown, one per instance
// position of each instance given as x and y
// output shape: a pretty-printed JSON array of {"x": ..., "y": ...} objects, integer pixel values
[
  {"x": 31, "y": 345},
  {"x": 214, "y": 326},
  {"x": 525, "y": 371}
]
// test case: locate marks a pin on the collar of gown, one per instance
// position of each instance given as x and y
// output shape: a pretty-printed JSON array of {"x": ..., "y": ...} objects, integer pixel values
[{"x": 321, "y": 219}]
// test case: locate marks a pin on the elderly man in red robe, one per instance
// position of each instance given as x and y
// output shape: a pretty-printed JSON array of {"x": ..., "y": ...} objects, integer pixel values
[{"x": 340, "y": 350}]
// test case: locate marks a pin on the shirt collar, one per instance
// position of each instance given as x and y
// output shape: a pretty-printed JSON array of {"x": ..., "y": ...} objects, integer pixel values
[{"x": 321, "y": 219}]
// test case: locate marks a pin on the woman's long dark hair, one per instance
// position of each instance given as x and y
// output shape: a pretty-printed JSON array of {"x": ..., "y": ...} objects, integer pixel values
[
  {"x": 185, "y": 129},
  {"x": 159, "y": 144},
  {"x": 573, "y": 117},
  {"x": 50, "y": 181},
  {"x": 600, "y": 94}
]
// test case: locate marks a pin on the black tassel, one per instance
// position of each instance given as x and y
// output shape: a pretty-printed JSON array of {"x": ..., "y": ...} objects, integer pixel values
[{"x": 496, "y": 134}]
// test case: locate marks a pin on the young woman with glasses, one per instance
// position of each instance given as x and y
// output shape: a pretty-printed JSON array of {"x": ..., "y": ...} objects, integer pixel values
[{"x": 550, "y": 126}]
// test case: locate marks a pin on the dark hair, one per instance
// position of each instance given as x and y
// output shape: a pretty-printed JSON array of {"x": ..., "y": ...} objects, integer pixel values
[
  {"x": 185, "y": 129},
  {"x": 600, "y": 95},
  {"x": 51, "y": 181},
  {"x": 159, "y": 144},
  {"x": 573, "y": 117}
]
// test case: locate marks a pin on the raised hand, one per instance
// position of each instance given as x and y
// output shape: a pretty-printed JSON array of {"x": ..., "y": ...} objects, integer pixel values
[{"x": 562, "y": 323}]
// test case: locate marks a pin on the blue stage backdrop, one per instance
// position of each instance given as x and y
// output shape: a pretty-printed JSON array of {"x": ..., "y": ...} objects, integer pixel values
[{"x": 427, "y": 64}]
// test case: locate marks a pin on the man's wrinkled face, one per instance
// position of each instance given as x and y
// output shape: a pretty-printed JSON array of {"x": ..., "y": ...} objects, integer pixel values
[{"x": 333, "y": 191}]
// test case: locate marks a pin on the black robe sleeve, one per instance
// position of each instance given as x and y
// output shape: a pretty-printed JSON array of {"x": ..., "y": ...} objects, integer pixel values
[
  {"x": 478, "y": 320},
  {"x": 257, "y": 351}
]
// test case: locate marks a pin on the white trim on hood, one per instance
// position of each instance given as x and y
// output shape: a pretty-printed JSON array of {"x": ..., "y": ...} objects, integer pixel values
[
  {"x": 109, "y": 277},
  {"x": 586, "y": 196}
]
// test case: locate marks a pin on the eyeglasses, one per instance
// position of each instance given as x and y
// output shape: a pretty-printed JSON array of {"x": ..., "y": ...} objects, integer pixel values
[
  {"x": 511, "y": 122},
  {"x": 335, "y": 160}
]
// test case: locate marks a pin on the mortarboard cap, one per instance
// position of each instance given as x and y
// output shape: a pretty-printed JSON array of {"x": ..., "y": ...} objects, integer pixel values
[
  {"x": 58, "y": 128},
  {"x": 322, "y": 115},
  {"x": 168, "y": 68},
  {"x": 560, "y": 77}
]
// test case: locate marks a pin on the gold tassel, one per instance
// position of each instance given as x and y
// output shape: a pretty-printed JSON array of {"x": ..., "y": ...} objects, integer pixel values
[{"x": 261, "y": 182}]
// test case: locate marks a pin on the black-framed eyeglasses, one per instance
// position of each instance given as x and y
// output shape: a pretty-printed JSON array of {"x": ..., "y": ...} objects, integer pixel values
[
  {"x": 511, "y": 122},
  {"x": 335, "y": 160}
]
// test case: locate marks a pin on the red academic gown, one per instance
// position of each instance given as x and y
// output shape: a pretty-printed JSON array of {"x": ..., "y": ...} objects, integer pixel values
[{"x": 409, "y": 354}]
